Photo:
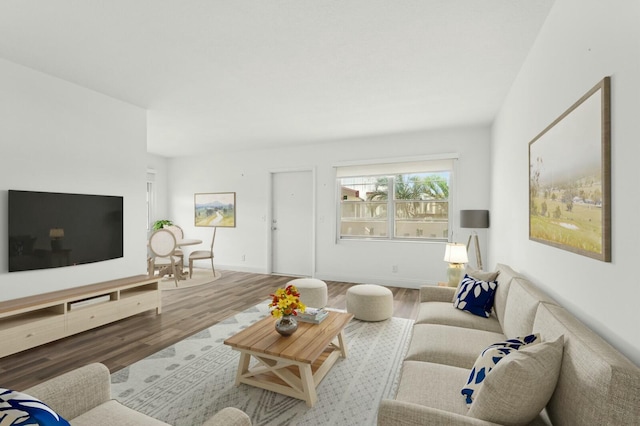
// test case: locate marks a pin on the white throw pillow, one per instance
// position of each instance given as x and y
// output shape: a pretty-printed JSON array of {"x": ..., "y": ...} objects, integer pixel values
[
  {"x": 489, "y": 358},
  {"x": 520, "y": 386}
]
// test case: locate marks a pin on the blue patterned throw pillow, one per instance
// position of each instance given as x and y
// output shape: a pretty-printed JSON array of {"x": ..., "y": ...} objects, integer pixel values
[
  {"x": 20, "y": 409},
  {"x": 488, "y": 359},
  {"x": 476, "y": 296}
]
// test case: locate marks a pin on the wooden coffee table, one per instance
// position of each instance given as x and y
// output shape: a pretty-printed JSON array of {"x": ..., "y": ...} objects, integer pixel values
[{"x": 294, "y": 365}]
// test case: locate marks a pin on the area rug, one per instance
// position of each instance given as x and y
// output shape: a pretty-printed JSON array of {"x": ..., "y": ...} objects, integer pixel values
[
  {"x": 200, "y": 276},
  {"x": 188, "y": 382}
]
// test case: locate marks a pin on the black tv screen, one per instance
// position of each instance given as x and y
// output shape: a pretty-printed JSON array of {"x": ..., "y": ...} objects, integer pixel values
[{"x": 49, "y": 230}]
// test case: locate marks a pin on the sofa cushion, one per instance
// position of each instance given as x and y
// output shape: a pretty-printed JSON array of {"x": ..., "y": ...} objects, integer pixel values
[
  {"x": 229, "y": 416},
  {"x": 489, "y": 358},
  {"x": 596, "y": 383},
  {"x": 478, "y": 275},
  {"x": 522, "y": 304},
  {"x": 476, "y": 296},
  {"x": 113, "y": 413},
  {"x": 445, "y": 314},
  {"x": 432, "y": 385},
  {"x": 520, "y": 385},
  {"x": 18, "y": 408},
  {"x": 505, "y": 275},
  {"x": 455, "y": 346},
  {"x": 432, "y": 293}
]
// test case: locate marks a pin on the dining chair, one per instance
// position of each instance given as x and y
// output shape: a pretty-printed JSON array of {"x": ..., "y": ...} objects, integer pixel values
[
  {"x": 179, "y": 234},
  {"x": 203, "y": 254},
  {"x": 162, "y": 244}
]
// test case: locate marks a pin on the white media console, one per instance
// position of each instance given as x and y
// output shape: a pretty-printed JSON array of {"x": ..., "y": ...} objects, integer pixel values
[{"x": 35, "y": 320}]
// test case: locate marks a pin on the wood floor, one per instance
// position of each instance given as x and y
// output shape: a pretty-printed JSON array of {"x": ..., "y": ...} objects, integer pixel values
[{"x": 184, "y": 312}]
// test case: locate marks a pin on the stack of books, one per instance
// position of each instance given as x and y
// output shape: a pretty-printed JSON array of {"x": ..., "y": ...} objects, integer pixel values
[
  {"x": 90, "y": 301},
  {"x": 312, "y": 315}
]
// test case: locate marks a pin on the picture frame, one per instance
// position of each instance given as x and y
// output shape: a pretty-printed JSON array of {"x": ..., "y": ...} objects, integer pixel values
[
  {"x": 570, "y": 178},
  {"x": 215, "y": 209}
]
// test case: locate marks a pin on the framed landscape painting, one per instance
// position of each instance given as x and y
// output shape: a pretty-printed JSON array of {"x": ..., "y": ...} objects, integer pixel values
[
  {"x": 570, "y": 178},
  {"x": 216, "y": 209}
]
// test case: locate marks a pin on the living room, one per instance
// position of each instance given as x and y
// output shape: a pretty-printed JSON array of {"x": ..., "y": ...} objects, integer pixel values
[{"x": 59, "y": 136}]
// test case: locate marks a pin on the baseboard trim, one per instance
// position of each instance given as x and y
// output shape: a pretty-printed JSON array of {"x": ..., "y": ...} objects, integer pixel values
[
  {"x": 241, "y": 269},
  {"x": 395, "y": 282},
  {"x": 390, "y": 282}
]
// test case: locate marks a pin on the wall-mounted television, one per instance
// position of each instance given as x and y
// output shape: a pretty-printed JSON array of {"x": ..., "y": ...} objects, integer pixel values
[{"x": 50, "y": 229}]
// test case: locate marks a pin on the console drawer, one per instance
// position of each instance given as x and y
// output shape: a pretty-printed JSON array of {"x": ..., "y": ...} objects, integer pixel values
[
  {"x": 31, "y": 334},
  {"x": 134, "y": 304},
  {"x": 92, "y": 316}
]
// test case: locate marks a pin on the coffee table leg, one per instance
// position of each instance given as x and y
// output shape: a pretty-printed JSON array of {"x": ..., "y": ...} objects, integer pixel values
[
  {"x": 342, "y": 342},
  {"x": 243, "y": 366},
  {"x": 308, "y": 385}
]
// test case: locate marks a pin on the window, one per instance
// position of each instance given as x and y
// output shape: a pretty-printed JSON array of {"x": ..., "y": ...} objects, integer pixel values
[{"x": 410, "y": 205}]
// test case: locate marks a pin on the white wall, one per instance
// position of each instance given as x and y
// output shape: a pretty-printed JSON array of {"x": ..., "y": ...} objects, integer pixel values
[
  {"x": 60, "y": 137},
  {"x": 247, "y": 174},
  {"x": 581, "y": 42},
  {"x": 160, "y": 203}
]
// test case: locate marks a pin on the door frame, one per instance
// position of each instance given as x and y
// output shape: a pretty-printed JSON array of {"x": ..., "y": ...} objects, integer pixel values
[{"x": 269, "y": 215}]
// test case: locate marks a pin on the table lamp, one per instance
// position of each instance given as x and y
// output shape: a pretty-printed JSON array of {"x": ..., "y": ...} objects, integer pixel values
[
  {"x": 478, "y": 219},
  {"x": 456, "y": 255},
  {"x": 56, "y": 235}
]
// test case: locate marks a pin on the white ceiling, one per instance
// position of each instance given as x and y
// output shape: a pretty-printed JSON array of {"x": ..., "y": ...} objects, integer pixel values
[{"x": 244, "y": 74}]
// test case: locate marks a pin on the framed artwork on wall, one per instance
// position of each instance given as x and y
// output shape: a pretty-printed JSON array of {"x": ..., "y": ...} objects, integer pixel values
[
  {"x": 215, "y": 209},
  {"x": 570, "y": 178}
]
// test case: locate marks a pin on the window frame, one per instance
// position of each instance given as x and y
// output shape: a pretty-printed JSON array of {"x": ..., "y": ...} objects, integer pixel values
[{"x": 392, "y": 202}]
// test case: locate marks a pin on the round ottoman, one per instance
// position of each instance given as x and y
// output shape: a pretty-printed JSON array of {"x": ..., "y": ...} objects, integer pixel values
[
  {"x": 370, "y": 302},
  {"x": 313, "y": 292}
]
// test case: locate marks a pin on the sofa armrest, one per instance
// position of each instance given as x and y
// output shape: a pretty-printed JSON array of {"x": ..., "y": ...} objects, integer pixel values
[
  {"x": 430, "y": 293},
  {"x": 229, "y": 416},
  {"x": 75, "y": 392},
  {"x": 399, "y": 413}
]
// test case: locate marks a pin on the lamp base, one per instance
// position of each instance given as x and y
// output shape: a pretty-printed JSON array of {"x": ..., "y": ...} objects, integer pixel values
[
  {"x": 454, "y": 273},
  {"x": 56, "y": 244}
]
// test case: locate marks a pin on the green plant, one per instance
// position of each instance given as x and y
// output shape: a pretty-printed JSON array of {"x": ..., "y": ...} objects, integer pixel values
[{"x": 159, "y": 224}]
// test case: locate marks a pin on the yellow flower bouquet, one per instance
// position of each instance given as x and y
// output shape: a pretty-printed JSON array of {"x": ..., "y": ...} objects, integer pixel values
[{"x": 285, "y": 302}]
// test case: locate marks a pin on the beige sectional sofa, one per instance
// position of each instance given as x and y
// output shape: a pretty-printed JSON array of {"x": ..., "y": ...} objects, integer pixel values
[
  {"x": 83, "y": 397},
  {"x": 596, "y": 385}
]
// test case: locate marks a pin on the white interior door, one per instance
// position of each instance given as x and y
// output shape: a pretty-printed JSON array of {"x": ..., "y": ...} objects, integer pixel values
[{"x": 292, "y": 223}]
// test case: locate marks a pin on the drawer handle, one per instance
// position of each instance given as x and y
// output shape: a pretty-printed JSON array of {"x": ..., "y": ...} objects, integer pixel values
[
  {"x": 92, "y": 317},
  {"x": 30, "y": 335}
]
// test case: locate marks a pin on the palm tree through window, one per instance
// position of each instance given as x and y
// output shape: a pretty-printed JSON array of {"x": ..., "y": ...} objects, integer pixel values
[{"x": 413, "y": 206}]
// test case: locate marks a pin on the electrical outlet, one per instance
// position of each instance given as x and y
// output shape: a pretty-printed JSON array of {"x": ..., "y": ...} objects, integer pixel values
[
  {"x": 244, "y": 258},
  {"x": 394, "y": 268}
]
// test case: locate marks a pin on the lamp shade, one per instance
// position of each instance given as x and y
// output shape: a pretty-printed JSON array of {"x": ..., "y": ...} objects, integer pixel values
[
  {"x": 456, "y": 253},
  {"x": 474, "y": 218},
  {"x": 56, "y": 233}
]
